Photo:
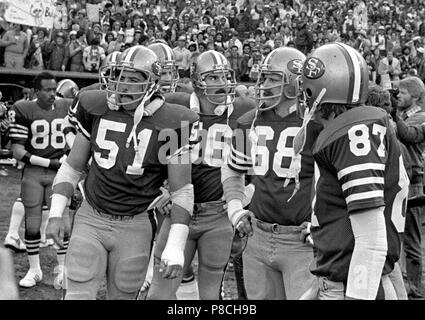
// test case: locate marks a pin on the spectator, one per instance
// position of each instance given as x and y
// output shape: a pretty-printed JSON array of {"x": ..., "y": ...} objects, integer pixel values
[
  {"x": 93, "y": 55},
  {"x": 304, "y": 38},
  {"x": 116, "y": 27},
  {"x": 35, "y": 53},
  {"x": 129, "y": 31},
  {"x": 118, "y": 44},
  {"x": 245, "y": 69},
  {"x": 76, "y": 49},
  {"x": 389, "y": 69},
  {"x": 16, "y": 47},
  {"x": 182, "y": 56},
  {"x": 410, "y": 103},
  {"x": 58, "y": 55},
  {"x": 235, "y": 60},
  {"x": 420, "y": 63},
  {"x": 406, "y": 61}
]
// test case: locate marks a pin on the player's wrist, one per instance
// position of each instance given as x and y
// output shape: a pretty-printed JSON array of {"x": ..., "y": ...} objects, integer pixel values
[
  {"x": 235, "y": 211},
  {"x": 174, "y": 249},
  {"x": 58, "y": 205}
]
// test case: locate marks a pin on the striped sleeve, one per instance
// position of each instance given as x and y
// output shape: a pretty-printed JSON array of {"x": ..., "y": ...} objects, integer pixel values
[
  {"x": 18, "y": 129},
  {"x": 80, "y": 118},
  {"x": 240, "y": 153},
  {"x": 361, "y": 178}
]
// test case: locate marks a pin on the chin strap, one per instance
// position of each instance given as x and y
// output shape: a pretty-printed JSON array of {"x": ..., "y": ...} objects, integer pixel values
[
  {"x": 140, "y": 112},
  {"x": 219, "y": 109}
]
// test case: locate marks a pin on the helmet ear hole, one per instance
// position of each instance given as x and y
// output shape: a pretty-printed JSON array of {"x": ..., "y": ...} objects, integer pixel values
[{"x": 308, "y": 92}]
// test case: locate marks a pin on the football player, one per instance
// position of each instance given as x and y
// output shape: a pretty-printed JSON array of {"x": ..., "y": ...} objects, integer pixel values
[
  {"x": 38, "y": 141},
  {"x": 66, "y": 89},
  {"x": 167, "y": 84},
  {"x": 361, "y": 184},
  {"x": 277, "y": 257},
  {"x": 113, "y": 232},
  {"x": 210, "y": 231}
]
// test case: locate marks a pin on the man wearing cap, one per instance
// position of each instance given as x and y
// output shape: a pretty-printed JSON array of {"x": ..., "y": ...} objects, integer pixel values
[
  {"x": 15, "y": 42},
  {"x": 58, "y": 55},
  {"x": 82, "y": 20},
  {"x": 235, "y": 41},
  {"x": 76, "y": 48},
  {"x": 182, "y": 56}
]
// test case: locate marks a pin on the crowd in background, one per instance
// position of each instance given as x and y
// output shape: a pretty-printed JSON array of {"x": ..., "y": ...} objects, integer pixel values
[{"x": 390, "y": 34}]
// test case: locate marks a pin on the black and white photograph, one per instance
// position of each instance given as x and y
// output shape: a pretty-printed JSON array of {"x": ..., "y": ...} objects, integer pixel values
[{"x": 230, "y": 152}]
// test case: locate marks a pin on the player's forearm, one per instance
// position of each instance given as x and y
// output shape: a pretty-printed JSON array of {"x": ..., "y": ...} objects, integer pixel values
[
  {"x": 233, "y": 184},
  {"x": 369, "y": 254},
  {"x": 21, "y": 154}
]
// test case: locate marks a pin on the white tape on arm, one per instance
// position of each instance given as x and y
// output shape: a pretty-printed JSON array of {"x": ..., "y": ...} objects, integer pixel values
[
  {"x": 235, "y": 211},
  {"x": 39, "y": 161},
  {"x": 173, "y": 253},
  {"x": 369, "y": 254},
  {"x": 66, "y": 180},
  {"x": 58, "y": 205}
]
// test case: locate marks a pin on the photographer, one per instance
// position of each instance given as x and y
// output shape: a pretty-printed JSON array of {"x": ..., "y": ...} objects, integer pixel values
[
  {"x": 4, "y": 130},
  {"x": 93, "y": 55}
]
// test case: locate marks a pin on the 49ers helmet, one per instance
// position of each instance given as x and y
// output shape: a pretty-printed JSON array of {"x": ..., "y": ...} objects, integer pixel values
[
  {"x": 213, "y": 62},
  {"x": 284, "y": 61},
  {"x": 335, "y": 73},
  {"x": 141, "y": 59},
  {"x": 169, "y": 76},
  {"x": 106, "y": 71},
  {"x": 67, "y": 88}
]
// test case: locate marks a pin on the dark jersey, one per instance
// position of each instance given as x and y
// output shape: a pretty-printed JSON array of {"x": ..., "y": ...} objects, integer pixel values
[
  {"x": 39, "y": 130},
  {"x": 269, "y": 155},
  {"x": 359, "y": 167},
  {"x": 214, "y": 134},
  {"x": 122, "y": 181}
]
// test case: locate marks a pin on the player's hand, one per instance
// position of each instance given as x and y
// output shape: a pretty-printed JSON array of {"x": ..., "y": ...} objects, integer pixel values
[
  {"x": 169, "y": 268},
  {"x": 56, "y": 230},
  {"x": 305, "y": 235},
  {"x": 244, "y": 225},
  {"x": 164, "y": 209},
  {"x": 54, "y": 164},
  {"x": 63, "y": 158}
]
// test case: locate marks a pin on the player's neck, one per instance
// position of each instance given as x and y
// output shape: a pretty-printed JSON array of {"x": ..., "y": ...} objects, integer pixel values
[
  {"x": 207, "y": 107},
  {"x": 45, "y": 106},
  {"x": 282, "y": 110}
]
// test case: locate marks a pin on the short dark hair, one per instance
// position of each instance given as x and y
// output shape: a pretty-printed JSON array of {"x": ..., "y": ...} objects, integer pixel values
[{"x": 40, "y": 77}]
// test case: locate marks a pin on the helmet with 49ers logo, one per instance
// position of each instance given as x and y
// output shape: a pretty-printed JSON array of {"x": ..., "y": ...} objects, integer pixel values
[
  {"x": 220, "y": 88},
  {"x": 285, "y": 62},
  {"x": 335, "y": 73},
  {"x": 138, "y": 59},
  {"x": 169, "y": 76}
]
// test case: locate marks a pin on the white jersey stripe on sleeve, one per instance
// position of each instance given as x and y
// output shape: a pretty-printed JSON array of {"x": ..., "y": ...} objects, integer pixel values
[
  {"x": 365, "y": 195},
  {"x": 362, "y": 181},
  {"x": 361, "y": 167}
]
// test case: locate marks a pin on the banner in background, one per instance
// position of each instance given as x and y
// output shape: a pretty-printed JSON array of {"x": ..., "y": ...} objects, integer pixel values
[
  {"x": 37, "y": 13},
  {"x": 93, "y": 12}
]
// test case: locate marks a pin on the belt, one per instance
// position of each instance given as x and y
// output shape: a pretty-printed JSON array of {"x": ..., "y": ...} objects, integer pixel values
[
  {"x": 208, "y": 205},
  {"x": 277, "y": 228},
  {"x": 114, "y": 216}
]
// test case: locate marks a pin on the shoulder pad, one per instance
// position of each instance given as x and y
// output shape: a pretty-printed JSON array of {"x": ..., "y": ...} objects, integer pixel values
[
  {"x": 181, "y": 98},
  {"x": 242, "y": 105},
  {"x": 94, "y": 86},
  {"x": 248, "y": 117},
  {"x": 63, "y": 102},
  {"x": 24, "y": 104},
  {"x": 94, "y": 101},
  {"x": 170, "y": 116}
]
